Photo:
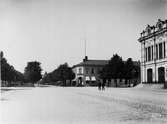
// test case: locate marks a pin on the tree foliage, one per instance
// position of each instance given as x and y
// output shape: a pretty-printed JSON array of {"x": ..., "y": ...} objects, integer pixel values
[
  {"x": 113, "y": 69},
  {"x": 119, "y": 69},
  {"x": 128, "y": 70},
  {"x": 116, "y": 65},
  {"x": 8, "y": 72},
  {"x": 61, "y": 74},
  {"x": 32, "y": 72}
]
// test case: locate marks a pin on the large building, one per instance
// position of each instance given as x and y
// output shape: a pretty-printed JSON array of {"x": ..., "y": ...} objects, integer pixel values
[
  {"x": 87, "y": 72},
  {"x": 154, "y": 53}
]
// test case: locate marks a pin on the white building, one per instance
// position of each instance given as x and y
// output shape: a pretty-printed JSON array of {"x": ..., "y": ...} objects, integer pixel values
[
  {"x": 154, "y": 53},
  {"x": 87, "y": 72}
]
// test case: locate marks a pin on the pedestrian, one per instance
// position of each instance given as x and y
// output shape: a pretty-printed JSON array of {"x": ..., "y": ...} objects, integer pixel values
[
  {"x": 103, "y": 86},
  {"x": 99, "y": 85}
]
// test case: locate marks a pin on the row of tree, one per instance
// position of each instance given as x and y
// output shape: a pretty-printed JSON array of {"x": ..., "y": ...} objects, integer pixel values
[
  {"x": 59, "y": 76},
  {"x": 33, "y": 73},
  {"x": 8, "y": 72},
  {"x": 10, "y": 76},
  {"x": 119, "y": 69},
  {"x": 115, "y": 69}
]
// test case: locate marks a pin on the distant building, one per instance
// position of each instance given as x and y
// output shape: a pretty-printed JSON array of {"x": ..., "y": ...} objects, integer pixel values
[
  {"x": 87, "y": 72},
  {"x": 154, "y": 53}
]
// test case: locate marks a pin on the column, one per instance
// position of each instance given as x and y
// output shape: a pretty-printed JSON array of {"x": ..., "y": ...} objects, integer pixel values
[{"x": 143, "y": 69}]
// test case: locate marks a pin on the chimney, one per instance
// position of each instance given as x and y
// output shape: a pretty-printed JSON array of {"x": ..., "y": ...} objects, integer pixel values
[{"x": 85, "y": 59}]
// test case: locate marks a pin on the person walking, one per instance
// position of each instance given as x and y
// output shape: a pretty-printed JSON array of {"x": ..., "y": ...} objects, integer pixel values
[
  {"x": 99, "y": 85},
  {"x": 103, "y": 86}
]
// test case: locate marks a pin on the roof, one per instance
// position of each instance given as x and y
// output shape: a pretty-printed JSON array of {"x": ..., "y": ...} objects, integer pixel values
[
  {"x": 92, "y": 63},
  {"x": 99, "y": 63}
]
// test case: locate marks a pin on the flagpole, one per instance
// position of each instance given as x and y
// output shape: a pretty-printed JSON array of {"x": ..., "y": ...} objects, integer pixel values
[{"x": 85, "y": 47}]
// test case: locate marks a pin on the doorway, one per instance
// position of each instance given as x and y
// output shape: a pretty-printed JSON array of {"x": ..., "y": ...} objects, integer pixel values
[
  {"x": 149, "y": 75},
  {"x": 161, "y": 75}
]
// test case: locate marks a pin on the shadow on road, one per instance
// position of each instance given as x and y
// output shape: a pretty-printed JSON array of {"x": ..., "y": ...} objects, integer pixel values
[{"x": 13, "y": 89}]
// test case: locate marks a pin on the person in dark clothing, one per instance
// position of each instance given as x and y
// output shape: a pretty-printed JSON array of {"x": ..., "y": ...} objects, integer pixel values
[
  {"x": 103, "y": 86},
  {"x": 99, "y": 85}
]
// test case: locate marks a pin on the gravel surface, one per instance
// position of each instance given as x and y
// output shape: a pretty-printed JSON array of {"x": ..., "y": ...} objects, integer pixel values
[{"x": 83, "y": 105}]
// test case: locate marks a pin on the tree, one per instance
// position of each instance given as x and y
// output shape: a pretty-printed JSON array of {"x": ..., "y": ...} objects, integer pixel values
[
  {"x": 132, "y": 71},
  {"x": 105, "y": 73},
  {"x": 136, "y": 74},
  {"x": 59, "y": 76},
  {"x": 19, "y": 76},
  {"x": 8, "y": 72},
  {"x": 129, "y": 70},
  {"x": 114, "y": 69},
  {"x": 32, "y": 72},
  {"x": 47, "y": 78},
  {"x": 70, "y": 75},
  {"x": 63, "y": 73}
]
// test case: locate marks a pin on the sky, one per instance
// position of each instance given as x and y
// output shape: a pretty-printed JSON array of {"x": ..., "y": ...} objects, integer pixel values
[{"x": 53, "y": 31}]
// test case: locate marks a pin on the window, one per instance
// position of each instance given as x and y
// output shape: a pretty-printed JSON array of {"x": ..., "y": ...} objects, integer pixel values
[
  {"x": 87, "y": 70},
  {"x": 152, "y": 53},
  {"x": 159, "y": 26},
  {"x": 156, "y": 51},
  {"x": 92, "y": 71},
  {"x": 146, "y": 54},
  {"x": 149, "y": 53},
  {"x": 149, "y": 30},
  {"x": 98, "y": 70},
  {"x": 160, "y": 51},
  {"x": 80, "y": 70}
]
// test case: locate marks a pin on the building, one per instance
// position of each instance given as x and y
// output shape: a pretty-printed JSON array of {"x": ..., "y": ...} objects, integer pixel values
[
  {"x": 87, "y": 72},
  {"x": 154, "y": 53}
]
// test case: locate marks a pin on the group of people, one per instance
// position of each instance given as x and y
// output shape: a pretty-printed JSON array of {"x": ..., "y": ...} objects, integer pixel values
[{"x": 101, "y": 85}]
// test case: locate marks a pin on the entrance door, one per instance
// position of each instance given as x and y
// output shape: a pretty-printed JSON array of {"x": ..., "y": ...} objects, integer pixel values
[
  {"x": 161, "y": 75},
  {"x": 80, "y": 81},
  {"x": 149, "y": 75}
]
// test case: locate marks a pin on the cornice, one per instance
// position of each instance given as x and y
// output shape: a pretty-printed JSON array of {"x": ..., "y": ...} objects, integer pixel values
[{"x": 156, "y": 33}]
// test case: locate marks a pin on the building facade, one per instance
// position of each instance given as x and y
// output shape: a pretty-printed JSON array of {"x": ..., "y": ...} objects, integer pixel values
[
  {"x": 154, "y": 53},
  {"x": 87, "y": 72}
]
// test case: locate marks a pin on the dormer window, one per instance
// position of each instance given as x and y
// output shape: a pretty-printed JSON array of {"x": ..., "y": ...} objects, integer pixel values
[
  {"x": 148, "y": 30},
  {"x": 160, "y": 26}
]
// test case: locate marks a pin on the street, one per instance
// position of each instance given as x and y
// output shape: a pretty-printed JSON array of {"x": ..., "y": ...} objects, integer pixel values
[{"x": 83, "y": 105}]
